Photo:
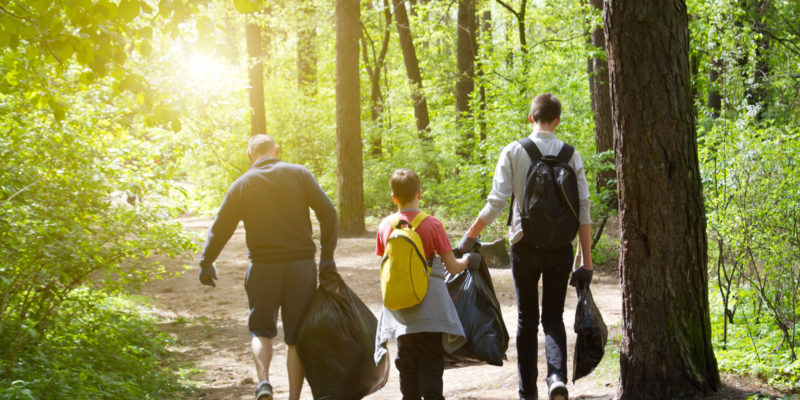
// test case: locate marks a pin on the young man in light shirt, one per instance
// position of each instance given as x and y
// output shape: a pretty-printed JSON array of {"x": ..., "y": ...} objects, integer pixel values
[{"x": 528, "y": 263}]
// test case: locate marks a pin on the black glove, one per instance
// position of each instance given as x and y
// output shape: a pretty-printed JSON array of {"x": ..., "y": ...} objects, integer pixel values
[
  {"x": 465, "y": 246},
  {"x": 328, "y": 277},
  {"x": 474, "y": 261},
  {"x": 208, "y": 275},
  {"x": 581, "y": 277}
]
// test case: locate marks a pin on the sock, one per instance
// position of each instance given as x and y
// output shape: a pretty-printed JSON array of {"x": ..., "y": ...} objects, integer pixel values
[{"x": 262, "y": 383}]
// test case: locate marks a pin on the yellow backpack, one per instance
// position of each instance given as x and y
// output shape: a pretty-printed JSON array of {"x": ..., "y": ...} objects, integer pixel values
[{"x": 404, "y": 269}]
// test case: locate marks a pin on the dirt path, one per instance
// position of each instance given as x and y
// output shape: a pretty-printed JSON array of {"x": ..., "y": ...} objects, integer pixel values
[{"x": 211, "y": 324}]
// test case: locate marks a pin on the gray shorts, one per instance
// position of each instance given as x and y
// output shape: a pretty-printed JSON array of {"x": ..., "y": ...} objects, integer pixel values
[{"x": 286, "y": 286}]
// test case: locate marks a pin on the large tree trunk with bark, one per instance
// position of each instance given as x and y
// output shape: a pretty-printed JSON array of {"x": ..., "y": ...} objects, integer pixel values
[
  {"x": 465, "y": 64},
  {"x": 412, "y": 67},
  {"x": 465, "y": 56},
  {"x": 666, "y": 346},
  {"x": 258, "y": 120},
  {"x": 307, "y": 50},
  {"x": 348, "y": 118},
  {"x": 601, "y": 105}
]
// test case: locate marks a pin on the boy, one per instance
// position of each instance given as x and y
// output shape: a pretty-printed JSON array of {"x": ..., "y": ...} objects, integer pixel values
[
  {"x": 425, "y": 331},
  {"x": 529, "y": 262}
]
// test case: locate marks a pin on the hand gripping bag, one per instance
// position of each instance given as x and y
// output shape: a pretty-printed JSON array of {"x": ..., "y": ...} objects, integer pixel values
[
  {"x": 476, "y": 303},
  {"x": 592, "y": 334},
  {"x": 336, "y": 345}
]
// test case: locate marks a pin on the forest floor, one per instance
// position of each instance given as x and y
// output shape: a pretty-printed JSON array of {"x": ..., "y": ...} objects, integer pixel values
[{"x": 211, "y": 327}]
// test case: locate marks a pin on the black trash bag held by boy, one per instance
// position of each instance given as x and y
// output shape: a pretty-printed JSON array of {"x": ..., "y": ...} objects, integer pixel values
[
  {"x": 337, "y": 341},
  {"x": 592, "y": 334},
  {"x": 475, "y": 300}
]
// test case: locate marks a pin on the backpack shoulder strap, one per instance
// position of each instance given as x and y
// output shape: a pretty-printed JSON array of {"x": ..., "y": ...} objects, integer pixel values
[
  {"x": 531, "y": 148},
  {"x": 418, "y": 220},
  {"x": 566, "y": 153}
]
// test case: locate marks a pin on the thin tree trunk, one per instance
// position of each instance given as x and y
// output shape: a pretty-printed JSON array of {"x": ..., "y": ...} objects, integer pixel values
[
  {"x": 307, "y": 51},
  {"x": 486, "y": 36},
  {"x": 520, "y": 16},
  {"x": 348, "y": 118},
  {"x": 714, "y": 99},
  {"x": 666, "y": 348},
  {"x": 601, "y": 105},
  {"x": 258, "y": 120},
  {"x": 374, "y": 70},
  {"x": 412, "y": 68}
]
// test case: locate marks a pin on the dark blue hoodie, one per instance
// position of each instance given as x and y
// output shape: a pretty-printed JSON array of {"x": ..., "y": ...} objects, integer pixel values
[{"x": 273, "y": 200}]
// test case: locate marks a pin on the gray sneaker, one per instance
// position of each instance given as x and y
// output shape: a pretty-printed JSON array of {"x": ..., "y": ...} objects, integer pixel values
[
  {"x": 264, "y": 392},
  {"x": 556, "y": 388}
]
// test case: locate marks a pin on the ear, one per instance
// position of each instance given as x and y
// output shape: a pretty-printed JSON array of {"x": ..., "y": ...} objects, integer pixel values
[
  {"x": 419, "y": 195},
  {"x": 530, "y": 118},
  {"x": 277, "y": 151},
  {"x": 394, "y": 199},
  {"x": 249, "y": 156},
  {"x": 558, "y": 121}
]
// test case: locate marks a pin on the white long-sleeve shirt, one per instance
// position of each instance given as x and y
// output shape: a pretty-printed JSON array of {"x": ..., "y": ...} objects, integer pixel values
[{"x": 509, "y": 176}]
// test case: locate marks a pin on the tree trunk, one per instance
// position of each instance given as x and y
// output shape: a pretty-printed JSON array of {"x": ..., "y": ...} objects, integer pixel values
[
  {"x": 307, "y": 51},
  {"x": 412, "y": 67},
  {"x": 666, "y": 346},
  {"x": 258, "y": 120},
  {"x": 465, "y": 64},
  {"x": 714, "y": 99},
  {"x": 465, "y": 56},
  {"x": 486, "y": 35},
  {"x": 374, "y": 70},
  {"x": 601, "y": 105},
  {"x": 348, "y": 118}
]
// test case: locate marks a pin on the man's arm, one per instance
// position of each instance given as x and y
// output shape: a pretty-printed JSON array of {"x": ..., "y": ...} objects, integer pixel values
[
  {"x": 326, "y": 215},
  {"x": 223, "y": 227},
  {"x": 585, "y": 217},
  {"x": 502, "y": 188}
]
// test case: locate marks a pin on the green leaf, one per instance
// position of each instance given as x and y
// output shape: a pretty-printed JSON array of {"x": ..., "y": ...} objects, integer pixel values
[
  {"x": 129, "y": 9},
  {"x": 12, "y": 77},
  {"x": 246, "y": 6},
  {"x": 145, "y": 48}
]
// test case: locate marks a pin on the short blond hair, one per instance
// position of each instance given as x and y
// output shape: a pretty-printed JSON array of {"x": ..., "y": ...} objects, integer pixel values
[{"x": 261, "y": 145}]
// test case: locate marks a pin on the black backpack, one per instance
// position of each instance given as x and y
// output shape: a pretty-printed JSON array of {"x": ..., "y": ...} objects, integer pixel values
[{"x": 549, "y": 208}]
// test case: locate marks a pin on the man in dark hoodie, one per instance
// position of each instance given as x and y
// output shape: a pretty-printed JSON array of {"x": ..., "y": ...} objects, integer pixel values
[{"x": 273, "y": 199}]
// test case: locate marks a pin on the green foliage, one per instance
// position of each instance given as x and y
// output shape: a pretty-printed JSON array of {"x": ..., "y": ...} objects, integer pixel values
[
  {"x": 754, "y": 345},
  {"x": 99, "y": 347}
]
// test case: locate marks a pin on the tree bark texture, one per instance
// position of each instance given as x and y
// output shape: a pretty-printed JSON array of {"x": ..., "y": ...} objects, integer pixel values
[
  {"x": 465, "y": 56},
  {"x": 601, "y": 105},
  {"x": 307, "y": 50},
  {"x": 666, "y": 346},
  {"x": 348, "y": 118},
  {"x": 714, "y": 99},
  {"x": 412, "y": 67},
  {"x": 258, "y": 120}
]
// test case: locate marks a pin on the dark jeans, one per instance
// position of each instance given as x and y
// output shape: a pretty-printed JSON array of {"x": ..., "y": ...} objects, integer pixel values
[
  {"x": 554, "y": 266},
  {"x": 420, "y": 360}
]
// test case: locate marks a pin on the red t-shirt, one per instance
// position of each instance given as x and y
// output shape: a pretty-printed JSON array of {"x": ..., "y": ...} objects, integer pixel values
[{"x": 430, "y": 231}]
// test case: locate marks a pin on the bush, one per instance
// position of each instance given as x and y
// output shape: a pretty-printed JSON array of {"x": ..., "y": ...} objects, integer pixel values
[{"x": 99, "y": 347}]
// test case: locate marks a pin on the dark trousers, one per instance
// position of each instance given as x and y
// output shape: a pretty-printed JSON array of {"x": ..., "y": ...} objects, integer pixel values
[
  {"x": 420, "y": 360},
  {"x": 554, "y": 266}
]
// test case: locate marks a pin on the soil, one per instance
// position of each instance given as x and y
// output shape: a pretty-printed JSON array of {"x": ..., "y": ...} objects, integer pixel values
[{"x": 211, "y": 327}]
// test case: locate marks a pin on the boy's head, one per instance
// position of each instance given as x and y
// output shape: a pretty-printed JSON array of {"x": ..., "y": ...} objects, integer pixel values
[
  {"x": 545, "y": 108},
  {"x": 405, "y": 185}
]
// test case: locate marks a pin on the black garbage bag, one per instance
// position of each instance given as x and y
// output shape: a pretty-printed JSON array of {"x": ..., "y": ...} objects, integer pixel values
[
  {"x": 481, "y": 317},
  {"x": 592, "y": 334},
  {"x": 336, "y": 344}
]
